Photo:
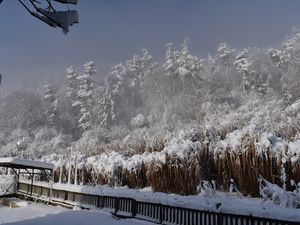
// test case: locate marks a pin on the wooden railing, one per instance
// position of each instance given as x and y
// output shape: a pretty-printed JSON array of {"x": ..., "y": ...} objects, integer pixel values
[{"x": 155, "y": 212}]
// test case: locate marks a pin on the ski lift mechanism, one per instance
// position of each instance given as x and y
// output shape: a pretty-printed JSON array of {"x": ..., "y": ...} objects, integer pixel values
[{"x": 52, "y": 17}]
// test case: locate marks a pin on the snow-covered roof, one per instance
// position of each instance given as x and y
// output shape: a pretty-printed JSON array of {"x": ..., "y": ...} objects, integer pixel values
[{"x": 25, "y": 164}]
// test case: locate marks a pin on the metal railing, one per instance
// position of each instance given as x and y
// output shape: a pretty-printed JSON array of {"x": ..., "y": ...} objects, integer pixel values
[
  {"x": 8, "y": 185},
  {"x": 155, "y": 212}
]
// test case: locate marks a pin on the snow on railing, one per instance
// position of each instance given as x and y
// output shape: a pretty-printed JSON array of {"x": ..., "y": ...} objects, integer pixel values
[{"x": 125, "y": 207}]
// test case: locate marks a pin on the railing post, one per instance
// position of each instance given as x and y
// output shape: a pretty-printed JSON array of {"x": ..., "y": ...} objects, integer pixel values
[
  {"x": 18, "y": 186},
  {"x": 133, "y": 207},
  {"x": 220, "y": 218},
  {"x": 161, "y": 216},
  {"x": 66, "y": 195},
  {"x": 98, "y": 201},
  {"x": 117, "y": 205},
  {"x": 32, "y": 176}
]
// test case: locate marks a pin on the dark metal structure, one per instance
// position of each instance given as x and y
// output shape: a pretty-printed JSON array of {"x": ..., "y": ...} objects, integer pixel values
[
  {"x": 48, "y": 14},
  {"x": 27, "y": 167}
]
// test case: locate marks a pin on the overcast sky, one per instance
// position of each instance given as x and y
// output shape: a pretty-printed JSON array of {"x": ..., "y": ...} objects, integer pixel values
[{"x": 112, "y": 31}]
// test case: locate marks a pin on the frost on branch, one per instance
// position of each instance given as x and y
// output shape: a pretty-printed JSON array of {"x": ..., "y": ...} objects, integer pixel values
[{"x": 278, "y": 195}]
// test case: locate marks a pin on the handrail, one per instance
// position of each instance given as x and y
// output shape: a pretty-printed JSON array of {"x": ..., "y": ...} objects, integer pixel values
[{"x": 154, "y": 212}]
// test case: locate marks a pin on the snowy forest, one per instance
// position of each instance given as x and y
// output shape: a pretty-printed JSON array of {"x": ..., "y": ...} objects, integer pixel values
[{"x": 224, "y": 118}]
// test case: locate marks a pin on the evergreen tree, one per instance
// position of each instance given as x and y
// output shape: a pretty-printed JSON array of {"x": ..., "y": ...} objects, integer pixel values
[
  {"x": 72, "y": 88},
  {"x": 85, "y": 96},
  {"x": 281, "y": 60},
  {"x": 242, "y": 65},
  {"x": 72, "y": 95},
  {"x": 52, "y": 106},
  {"x": 226, "y": 55},
  {"x": 123, "y": 93},
  {"x": 181, "y": 67}
]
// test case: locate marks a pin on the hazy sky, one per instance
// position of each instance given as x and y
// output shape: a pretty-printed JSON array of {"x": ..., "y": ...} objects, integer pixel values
[{"x": 113, "y": 30}]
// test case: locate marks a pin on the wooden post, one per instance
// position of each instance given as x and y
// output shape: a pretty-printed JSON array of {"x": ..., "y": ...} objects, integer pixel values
[
  {"x": 70, "y": 167},
  {"x": 161, "y": 217},
  {"x": 117, "y": 205},
  {"x": 221, "y": 219},
  {"x": 32, "y": 175},
  {"x": 133, "y": 207},
  {"x": 76, "y": 170},
  {"x": 60, "y": 170}
]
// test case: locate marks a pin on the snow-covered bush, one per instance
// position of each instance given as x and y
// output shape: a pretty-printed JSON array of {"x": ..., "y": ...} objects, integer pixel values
[
  {"x": 278, "y": 195},
  {"x": 207, "y": 189}
]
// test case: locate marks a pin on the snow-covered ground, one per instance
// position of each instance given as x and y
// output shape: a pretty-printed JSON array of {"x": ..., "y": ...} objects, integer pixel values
[{"x": 40, "y": 214}]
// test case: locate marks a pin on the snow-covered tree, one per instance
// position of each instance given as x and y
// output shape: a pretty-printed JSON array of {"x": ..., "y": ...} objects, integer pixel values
[
  {"x": 72, "y": 88},
  {"x": 113, "y": 95},
  {"x": 80, "y": 91},
  {"x": 85, "y": 96},
  {"x": 124, "y": 84},
  {"x": 290, "y": 54},
  {"x": 277, "y": 57},
  {"x": 211, "y": 64},
  {"x": 226, "y": 55},
  {"x": 137, "y": 69},
  {"x": 72, "y": 96},
  {"x": 181, "y": 64},
  {"x": 182, "y": 69},
  {"x": 104, "y": 109},
  {"x": 188, "y": 66},
  {"x": 242, "y": 65},
  {"x": 51, "y": 105}
]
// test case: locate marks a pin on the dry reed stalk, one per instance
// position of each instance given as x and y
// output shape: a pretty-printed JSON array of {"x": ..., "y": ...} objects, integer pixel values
[{"x": 182, "y": 176}]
